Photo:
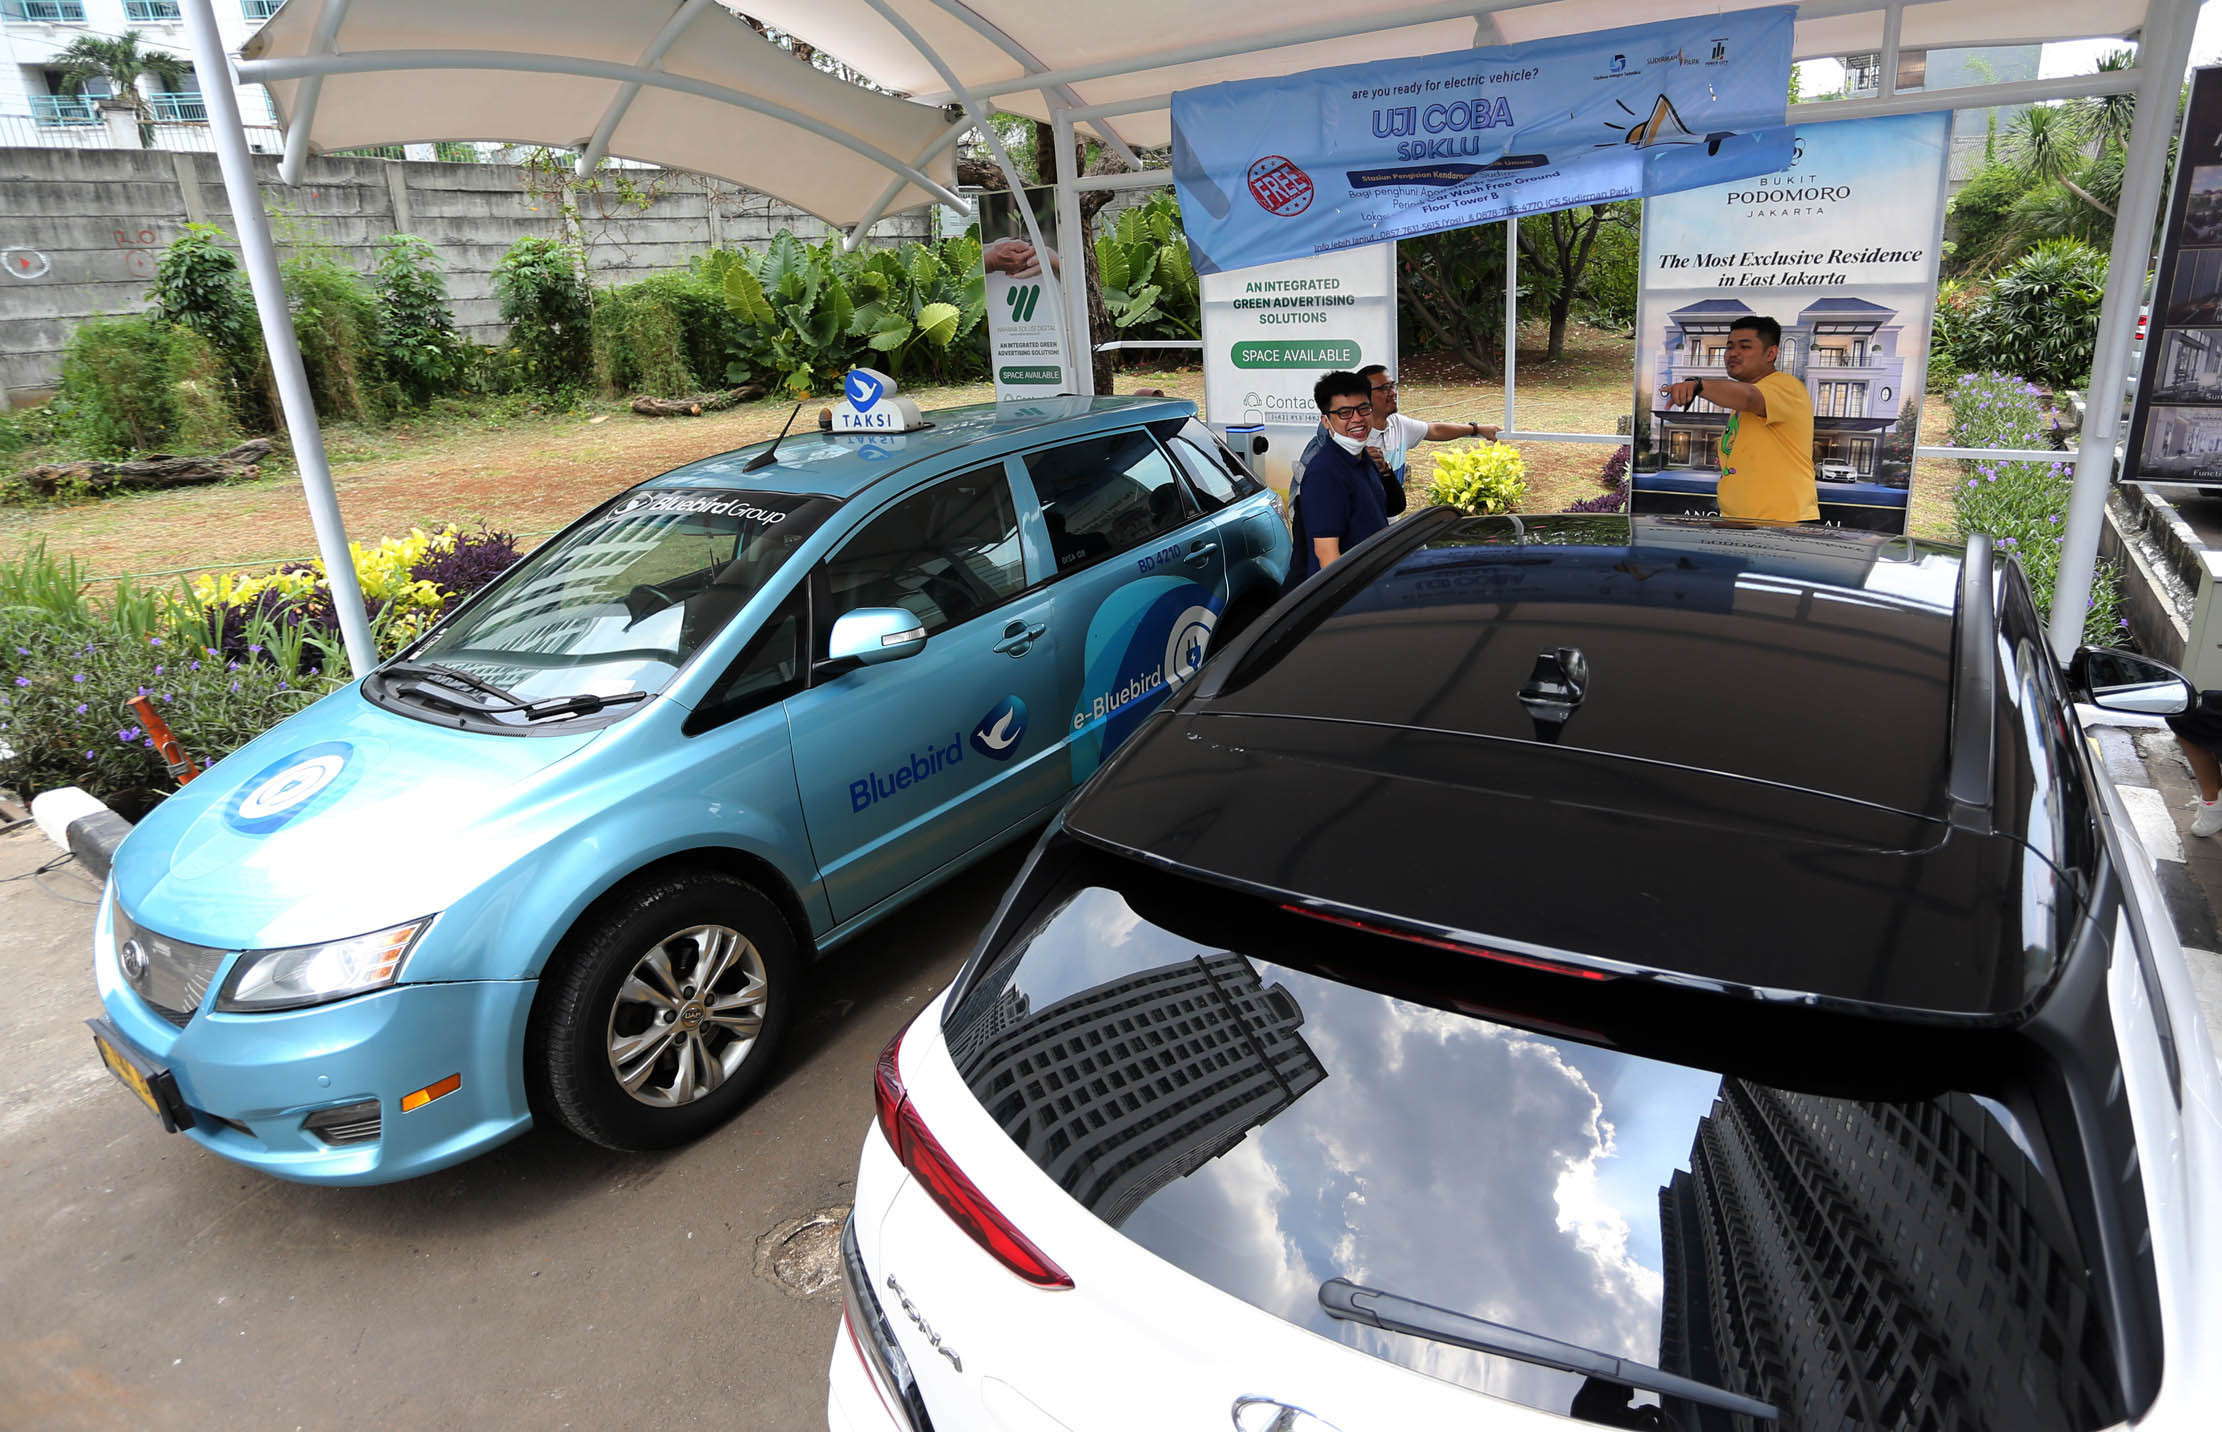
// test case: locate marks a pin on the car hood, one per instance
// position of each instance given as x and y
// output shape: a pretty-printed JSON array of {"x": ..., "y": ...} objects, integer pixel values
[{"x": 344, "y": 819}]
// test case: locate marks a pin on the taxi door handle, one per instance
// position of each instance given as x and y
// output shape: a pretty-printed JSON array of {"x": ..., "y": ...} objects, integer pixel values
[
  {"x": 1200, "y": 552},
  {"x": 1018, "y": 637}
]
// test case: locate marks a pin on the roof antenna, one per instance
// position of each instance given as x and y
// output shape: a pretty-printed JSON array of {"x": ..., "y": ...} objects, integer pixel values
[{"x": 770, "y": 455}]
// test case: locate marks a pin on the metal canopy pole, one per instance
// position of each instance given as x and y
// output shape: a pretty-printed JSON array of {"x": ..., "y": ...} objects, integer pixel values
[
  {"x": 2162, "y": 54},
  {"x": 1511, "y": 309},
  {"x": 252, "y": 228},
  {"x": 1072, "y": 230}
]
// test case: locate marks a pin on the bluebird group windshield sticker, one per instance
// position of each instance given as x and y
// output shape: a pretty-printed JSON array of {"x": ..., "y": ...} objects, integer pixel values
[
  {"x": 768, "y": 508},
  {"x": 999, "y": 733},
  {"x": 292, "y": 787},
  {"x": 1147, "y": 638},
  {"x": 1338, "y": 158}
]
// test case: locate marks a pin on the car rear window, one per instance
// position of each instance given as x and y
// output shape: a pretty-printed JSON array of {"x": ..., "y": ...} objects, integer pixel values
[{"x": 1777, "y": 1209}]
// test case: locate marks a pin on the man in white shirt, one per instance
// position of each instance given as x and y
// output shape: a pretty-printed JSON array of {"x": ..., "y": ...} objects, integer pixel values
[{"x": 1394, "y": 434}]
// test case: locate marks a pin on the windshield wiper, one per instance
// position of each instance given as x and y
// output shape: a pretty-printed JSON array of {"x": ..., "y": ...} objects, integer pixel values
[
  {"x": 584, "y": 703},
  {"x": 1351, "y": 1302},
  {"x": 453, "y": 673}
]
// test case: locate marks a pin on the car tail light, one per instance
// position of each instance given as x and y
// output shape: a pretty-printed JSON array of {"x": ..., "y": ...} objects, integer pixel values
[
  {"x": 1456, "y": 947},
  {"x": 960, "y": 1198}
]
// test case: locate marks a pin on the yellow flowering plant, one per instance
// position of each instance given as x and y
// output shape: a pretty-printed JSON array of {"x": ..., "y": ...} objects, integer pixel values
[{"x": 1481, "y": 480}]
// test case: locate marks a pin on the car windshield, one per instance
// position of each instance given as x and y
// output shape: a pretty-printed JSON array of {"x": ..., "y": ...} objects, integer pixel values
[{"x": 615, "y": 606}]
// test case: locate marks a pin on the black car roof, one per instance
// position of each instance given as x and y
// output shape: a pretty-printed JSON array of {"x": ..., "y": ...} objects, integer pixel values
[{"x": 1758, "y": 792}]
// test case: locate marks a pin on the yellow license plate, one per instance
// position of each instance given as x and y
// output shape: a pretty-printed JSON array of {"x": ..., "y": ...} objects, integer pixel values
[{"x": 132, "y": 1079}]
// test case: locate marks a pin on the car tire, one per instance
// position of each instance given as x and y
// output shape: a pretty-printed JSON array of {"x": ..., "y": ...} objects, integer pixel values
[{"x": 631, "y": 1048}]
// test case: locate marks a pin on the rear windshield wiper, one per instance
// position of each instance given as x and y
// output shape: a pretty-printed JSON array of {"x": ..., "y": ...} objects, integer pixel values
[{"x": 1351, "y": 1302}]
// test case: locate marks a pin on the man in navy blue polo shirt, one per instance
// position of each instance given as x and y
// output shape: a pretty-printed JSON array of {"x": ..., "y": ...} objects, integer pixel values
[{"x": 1339, "y": 496}]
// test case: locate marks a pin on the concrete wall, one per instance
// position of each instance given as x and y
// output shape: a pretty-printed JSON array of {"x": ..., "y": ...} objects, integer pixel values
[{"x": 80, "y": 230}]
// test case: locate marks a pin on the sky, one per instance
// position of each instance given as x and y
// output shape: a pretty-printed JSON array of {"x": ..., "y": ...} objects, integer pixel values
[{"x": 2075, "y": 57}]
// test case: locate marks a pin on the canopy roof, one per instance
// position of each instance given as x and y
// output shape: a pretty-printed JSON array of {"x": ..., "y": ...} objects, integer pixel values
[{"x": 685, "y": 84}]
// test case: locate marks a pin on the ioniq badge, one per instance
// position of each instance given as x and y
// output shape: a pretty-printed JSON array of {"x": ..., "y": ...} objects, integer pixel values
[{"x": 1264, "y": 1414}]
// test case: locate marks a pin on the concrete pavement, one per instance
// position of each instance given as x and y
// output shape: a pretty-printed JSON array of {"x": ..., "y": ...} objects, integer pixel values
[{"x": 147, "y": 1285}]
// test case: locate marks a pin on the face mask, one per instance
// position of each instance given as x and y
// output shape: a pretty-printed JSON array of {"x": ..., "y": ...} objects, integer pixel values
[{"x": 1353, "y": 446}]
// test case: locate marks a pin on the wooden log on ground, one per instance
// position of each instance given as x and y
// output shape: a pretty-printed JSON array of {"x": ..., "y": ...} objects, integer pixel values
[
  {"x": 156, "y": 470},
  {"x": 699, "y": 404}
]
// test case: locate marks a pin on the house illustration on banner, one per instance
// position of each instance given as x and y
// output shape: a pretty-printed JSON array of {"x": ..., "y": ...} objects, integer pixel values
[{"x": 1845, "y": 351}]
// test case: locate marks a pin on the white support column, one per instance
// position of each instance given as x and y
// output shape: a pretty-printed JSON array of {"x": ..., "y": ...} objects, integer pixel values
[
  {"x": 2163, "y": 52},
  {"x": 1072, "y": 233},
  {"x": 1886, "y": 63},
  {"x": 324, "y": 40},
  {"x": 1511, "y": 310},
  {"x": 252, "y": 227}
]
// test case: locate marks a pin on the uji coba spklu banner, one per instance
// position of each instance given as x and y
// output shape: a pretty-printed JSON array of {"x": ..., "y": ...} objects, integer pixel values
[
  {"x": 1337, "y": 158},
  {"x": 1840, "y": 248}
]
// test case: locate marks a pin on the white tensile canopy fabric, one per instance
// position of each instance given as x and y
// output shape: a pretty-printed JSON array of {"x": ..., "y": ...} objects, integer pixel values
[{"x": 825, "y": 145}]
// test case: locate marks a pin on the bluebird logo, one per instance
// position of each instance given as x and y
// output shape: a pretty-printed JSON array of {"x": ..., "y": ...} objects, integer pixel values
[
  {"x": 1619, "y": 64},
  {"x": 861, "y": 388},
  {"x": 998, "y": 735}
]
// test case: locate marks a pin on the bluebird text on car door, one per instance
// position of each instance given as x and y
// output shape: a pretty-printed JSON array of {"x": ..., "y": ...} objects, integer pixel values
[
  {"x": 908, "y": 764},
  {"x": 1141, "y": 580}
]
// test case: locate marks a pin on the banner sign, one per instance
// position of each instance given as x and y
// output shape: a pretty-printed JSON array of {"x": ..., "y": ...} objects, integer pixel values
[
  {"x": 2175, "y": 430},
  {"x": 1840, "y": 247},
  {"x": 1340, "y": 158},
  {"x": 1273, "y": 331},
  {"x": 1026, "y": 318}
]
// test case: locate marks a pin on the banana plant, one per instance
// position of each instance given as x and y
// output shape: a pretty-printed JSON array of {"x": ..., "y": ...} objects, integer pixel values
[{"x": 1149, "y": 282}]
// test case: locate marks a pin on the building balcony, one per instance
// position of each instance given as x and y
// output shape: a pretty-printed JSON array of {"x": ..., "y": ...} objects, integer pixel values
[
  {"x": 259, "y": 10},
  {"x": 178, "y": 107},
  {"x": 51, "y": 12},
  {"x": 152, "y": 12},
  {"x": 64, "y": 109}
]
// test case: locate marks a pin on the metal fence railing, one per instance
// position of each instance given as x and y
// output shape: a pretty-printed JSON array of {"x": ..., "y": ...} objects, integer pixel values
[
  {"x": 152, "y": 12},
  {"x": 259, "y": 10},
  {"x": 23, "y": 131},
  {"x": 181, "y": 107},
  {"x": 61, "y": 109},
  {"x": 52, "y": 12}
]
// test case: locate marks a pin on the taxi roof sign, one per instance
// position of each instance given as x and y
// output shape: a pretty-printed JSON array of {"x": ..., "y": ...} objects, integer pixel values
[{"x": 869, "y": 404}]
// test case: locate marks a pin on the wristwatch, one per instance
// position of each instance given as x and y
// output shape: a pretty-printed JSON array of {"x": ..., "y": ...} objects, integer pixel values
[
  {"x": 1698, "y": 391},
  {"x": 1473, "y": 430}
]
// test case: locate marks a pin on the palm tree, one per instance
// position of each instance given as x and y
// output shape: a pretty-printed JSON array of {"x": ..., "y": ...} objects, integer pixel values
[
  {"x": 120, "y": 61},
  {"x": 2046, "y": 142},
  {"x": 2107, "y": 117}
]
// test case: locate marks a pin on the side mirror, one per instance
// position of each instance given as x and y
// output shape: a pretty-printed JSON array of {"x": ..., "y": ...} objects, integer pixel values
[
  {"x": 871, "y": 635},
  {"x": 2124, "y": 681}
]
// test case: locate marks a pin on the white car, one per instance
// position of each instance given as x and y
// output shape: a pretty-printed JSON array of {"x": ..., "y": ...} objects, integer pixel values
[{"x": 1463, "y": 1006}]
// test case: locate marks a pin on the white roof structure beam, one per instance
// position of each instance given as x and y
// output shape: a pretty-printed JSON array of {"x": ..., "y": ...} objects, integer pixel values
[
  {"x": 1342, "y": 28},
  {"x": 302, "y": 67},
  {"x": 304, "y": 104},
  {"x": 650, "y": 58},
  {"x": 1060, "y": 96},
  {"x": 878, "y": 211}
]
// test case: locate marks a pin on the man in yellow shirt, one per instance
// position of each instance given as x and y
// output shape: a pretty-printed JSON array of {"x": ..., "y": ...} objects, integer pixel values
[{"x": 1767, "y": 449}]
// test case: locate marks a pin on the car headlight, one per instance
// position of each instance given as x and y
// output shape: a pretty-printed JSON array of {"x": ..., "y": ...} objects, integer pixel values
[{"x": 312, "y": 974}]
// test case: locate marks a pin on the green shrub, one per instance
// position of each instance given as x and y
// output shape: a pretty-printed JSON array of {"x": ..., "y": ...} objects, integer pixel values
[
  {"x": 2023, "y": 505},
  {"x": 198, "y": 285},
  {"x": 1490, "y": 478},
  {"x": 418, "y": 347},
  {"x": 640, "y": 338},
  {"x": 2040, "y": 318},
  {"x": 1978, "y": 222},
  {"x": 549, "y": 309},
  {"x": 1150, "y": 288},
  {"x": 142, "y": 385},
  {"x": 65, "y": 717},
  {"x": 335, "y": 320}
]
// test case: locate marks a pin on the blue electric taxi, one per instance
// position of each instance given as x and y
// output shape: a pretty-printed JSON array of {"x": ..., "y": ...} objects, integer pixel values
[{"x": 568, "y": 855}]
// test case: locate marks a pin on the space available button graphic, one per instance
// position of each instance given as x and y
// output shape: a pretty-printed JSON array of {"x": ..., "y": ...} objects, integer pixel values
[{"x": 1001, "y": 731}]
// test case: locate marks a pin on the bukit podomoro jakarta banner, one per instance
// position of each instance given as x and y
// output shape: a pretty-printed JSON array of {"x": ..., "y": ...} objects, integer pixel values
[
  {"x": 1840, "y": 248},
  {"x": 1285, "y": 168}
]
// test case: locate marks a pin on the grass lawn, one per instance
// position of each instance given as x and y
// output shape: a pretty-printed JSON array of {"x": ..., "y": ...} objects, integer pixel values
[{"x": 533, "y": 472}]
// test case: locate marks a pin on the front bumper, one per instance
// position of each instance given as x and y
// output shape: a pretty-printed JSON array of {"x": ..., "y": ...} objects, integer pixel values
[{"x": 253, "y": 1082}]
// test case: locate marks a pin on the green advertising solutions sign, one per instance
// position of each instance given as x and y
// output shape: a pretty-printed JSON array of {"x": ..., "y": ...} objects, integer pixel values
[{"x": 1296, "y": 353}]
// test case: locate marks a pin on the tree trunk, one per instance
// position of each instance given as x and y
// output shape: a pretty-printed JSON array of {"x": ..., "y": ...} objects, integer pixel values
[
  {"x": 1103, "y": 365},
  {"x": 157, "y": 470},
  {"x": 1559, "y": 306},
  {"x": 699, "y": 404}
]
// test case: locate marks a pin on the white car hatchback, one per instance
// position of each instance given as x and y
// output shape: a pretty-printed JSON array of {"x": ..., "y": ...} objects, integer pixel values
[{"x": 1646, "y": 973}]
